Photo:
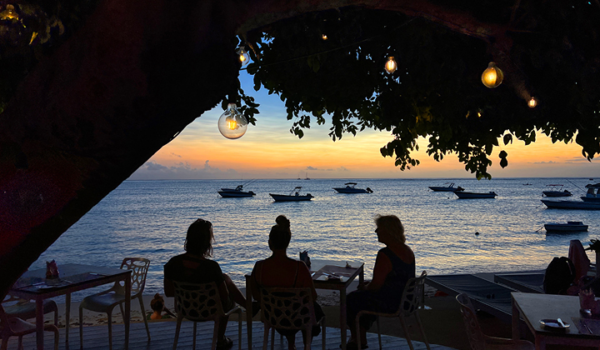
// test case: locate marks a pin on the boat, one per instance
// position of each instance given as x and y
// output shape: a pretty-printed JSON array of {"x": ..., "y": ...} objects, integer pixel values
[
  {"x": 473, "y": 195},
  {"x": 570, "y": 226},
  {"x": 558, "y": 192},
  {"x": 554, "y": 204},
  {"x": 235, "y": 192},
  {"x": 350, "y": 188},
  {"x": 591, "y": 196},
  {"x": 449, "y": 188},
  {"x": 294, "y": 196}
]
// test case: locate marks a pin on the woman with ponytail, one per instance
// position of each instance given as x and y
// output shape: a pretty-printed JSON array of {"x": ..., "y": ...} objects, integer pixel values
[{"x": 281, "y": 271}]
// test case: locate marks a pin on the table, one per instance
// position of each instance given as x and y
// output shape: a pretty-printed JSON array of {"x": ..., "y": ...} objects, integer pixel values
[
  {"x": 324, "y": 266},
  {"x": 73, "y": 277},
  {"x": 534, "y": 307}
]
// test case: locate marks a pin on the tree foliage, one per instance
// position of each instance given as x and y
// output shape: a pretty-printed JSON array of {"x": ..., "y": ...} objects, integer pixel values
[{"x": 436, "y": 93}]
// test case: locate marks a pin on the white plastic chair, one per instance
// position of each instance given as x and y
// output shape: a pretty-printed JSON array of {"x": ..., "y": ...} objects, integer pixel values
[
  {"x": 480, "y": 341},
  {"x": 14, "y": 326},
  {"x": 200, "y": 302},
  {"x": 412, "y": 298},
  {"x": 107, "y": 300},
  {"x": 289, "y": 308}
]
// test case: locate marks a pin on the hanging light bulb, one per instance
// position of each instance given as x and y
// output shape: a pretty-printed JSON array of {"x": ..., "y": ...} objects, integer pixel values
[
  {"x": 532, "y": 103},
  {"x": 9, "y": 13},
  {"x": 232, "y": 124},
  {"x": 244, "y": 58},
  {"x": 324, "y": 37},
  {"x": 391, "y": 65},
  {"x": 492, "y": 76}
]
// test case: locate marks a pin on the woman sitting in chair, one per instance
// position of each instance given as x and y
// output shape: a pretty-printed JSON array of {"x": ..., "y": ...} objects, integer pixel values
[
  {"x": 281, "y": 271},
  {"x": 195, "y": 267},
  {"x": 394, "y": 266}
]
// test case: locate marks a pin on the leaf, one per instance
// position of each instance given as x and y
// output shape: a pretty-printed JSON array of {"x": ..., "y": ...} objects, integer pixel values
[{"x": 507, "y": 139}]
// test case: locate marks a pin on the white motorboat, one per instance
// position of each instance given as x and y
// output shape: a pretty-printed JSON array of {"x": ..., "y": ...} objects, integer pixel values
[
  {"x": 570, "y": 226},
  {"x": 235, "y": 192},
  {"x": 571, "y": 205},
  {"x": 449, "y": 188},
  {"x": 557, "y": 191},
  {"x": 350, "y": 188},
  {"x": 294, "y": 196},
  {"x": 474, "y": 195}
]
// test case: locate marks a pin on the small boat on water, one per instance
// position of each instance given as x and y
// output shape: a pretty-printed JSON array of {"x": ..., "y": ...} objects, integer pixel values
[
  {"x": 581, "y": 205},
  {"x": 350, "y": 188},
  {"x": 570, "y": 226},
  {"x": 235, "y": 192},
  {"x": 294, "y": 196},
  {"x": 557, "y": 191},
  {"x": 449, "y": 188},
  {"x": 473, "y": 195}
]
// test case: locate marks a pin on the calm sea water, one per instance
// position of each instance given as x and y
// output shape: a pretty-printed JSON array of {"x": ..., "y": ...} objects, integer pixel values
[{"x": 150, "y": 218}]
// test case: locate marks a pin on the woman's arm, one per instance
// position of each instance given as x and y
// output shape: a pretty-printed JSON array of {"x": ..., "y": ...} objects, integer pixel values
[
  {"x": 305, "y": 279},
  {"x": 383, "y": 266},
  {"x": 254, "y": 278}
]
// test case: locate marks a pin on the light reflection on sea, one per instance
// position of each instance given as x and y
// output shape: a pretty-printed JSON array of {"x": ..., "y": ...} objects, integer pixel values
[{"x": 150, "y": 219}]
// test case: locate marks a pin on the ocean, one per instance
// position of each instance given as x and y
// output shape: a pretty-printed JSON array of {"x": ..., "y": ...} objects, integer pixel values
[{"x": 150, "y": 219}]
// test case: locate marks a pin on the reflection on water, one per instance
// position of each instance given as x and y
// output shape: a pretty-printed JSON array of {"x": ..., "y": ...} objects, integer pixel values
[{"x": 150, "y": 219}]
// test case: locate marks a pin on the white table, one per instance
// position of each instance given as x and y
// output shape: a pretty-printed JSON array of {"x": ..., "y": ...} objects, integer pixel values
[
  {"x": 74, "y": 277},
  {"x": 535, "y": 307}
]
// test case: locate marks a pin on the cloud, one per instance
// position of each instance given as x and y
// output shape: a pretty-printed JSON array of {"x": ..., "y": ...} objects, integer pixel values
[
  {"x": 544, "y": 162},
  {"x": 311, "y": 168},
  {"x": 176, "y": 155},
  {"x": 181, "y": 171}
]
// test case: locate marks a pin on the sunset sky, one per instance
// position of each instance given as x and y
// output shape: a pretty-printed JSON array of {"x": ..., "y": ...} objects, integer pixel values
[{"x": 269, "y": 150}]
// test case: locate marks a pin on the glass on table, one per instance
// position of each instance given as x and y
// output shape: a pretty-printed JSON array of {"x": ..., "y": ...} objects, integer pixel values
[{"x": 587, "y": 302}]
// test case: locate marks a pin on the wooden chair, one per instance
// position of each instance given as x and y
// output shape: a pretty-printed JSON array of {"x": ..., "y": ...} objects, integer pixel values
[
  {"x": 24, "y": 309},
  {"x": 289, "y": 308},
  {"x": 412, "y": 298},
  {"x": 480, "y": 341},
  {"x": 14, "y": 326},
  {"x": 200, "y": 303},
  {"x": 107, "y": 300}
]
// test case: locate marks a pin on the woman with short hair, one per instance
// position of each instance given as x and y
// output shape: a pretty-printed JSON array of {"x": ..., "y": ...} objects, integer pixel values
[{"x": 394, "y": 266}]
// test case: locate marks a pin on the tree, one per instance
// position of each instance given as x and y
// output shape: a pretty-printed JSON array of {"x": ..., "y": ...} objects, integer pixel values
[{"x": 107, "y": 84}]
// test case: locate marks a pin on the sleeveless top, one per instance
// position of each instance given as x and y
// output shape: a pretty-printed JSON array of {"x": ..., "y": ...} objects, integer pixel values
[
  {"x": 261, "y": 275},
  {"x": 393, "y": 286}
]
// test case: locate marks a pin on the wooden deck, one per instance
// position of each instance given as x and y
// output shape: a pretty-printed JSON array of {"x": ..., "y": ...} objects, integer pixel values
[{"x": 163, "y": 334}]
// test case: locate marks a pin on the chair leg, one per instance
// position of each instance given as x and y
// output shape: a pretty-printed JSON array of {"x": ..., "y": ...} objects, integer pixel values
[
  {"x": 55, "y": 329},
  {"x": 403, "y": 322},
  {"x": 4, "y": 343},
  {"x": 20, "y": 346},
  {"x": 80, "y": 328},
  {"x": 357, "y": 330},
  {"x": 323, "y": 331},
  {"x": 422, "y": 331},
  {"x": 109, "y": 329},
  {"x": 379, "y": 332},
  {"x": 194, "y": 338},
  {"x": 179, "y": 319},
  {"x": 144, "y": 315},
  {"x": 308, "y": 340},
  {"x": 273, "y": 339},
  {"x": 240, "y": 328},
  {"x": 265, "y": 337}
]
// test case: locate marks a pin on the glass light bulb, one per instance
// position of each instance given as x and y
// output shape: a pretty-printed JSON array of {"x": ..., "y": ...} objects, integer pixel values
[
  {"x": 492, "y": 77},
  {"x": 243, "y": 55},
  {"x": 232, "y": 124},
  {"x": 324, "y": 36},
  {"x": 532, "y": 103},
  {"x": 391, "y": 65},
  {"x": 9, "y": 13}
]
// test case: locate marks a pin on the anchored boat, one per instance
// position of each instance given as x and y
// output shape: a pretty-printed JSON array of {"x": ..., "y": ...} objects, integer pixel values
[
  {"x": 473, "y": 195},
  {"x": 571, "y": 205},
  {"x": 294, "y": 196},
  {"x": 570, "y": 226},
  {"x": 557, "y": 191},
  {"x": 350, "y": 188},
  {"x": 236, "y": 192},
  {"x": 449, "y": 188}
]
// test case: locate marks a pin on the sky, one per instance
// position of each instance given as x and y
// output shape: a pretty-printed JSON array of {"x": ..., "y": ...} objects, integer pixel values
[{"x": 269, "y": 151}]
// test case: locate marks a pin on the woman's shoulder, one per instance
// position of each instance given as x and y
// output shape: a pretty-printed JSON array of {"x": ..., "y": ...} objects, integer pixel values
[{"x": 403, "y": 252}]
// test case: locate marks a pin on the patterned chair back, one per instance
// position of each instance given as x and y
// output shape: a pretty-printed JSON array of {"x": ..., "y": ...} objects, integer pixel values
[
  {"x": 474, "y": 333},
  {"x": 198, "y": 301},
  {"x": 412, "y": 296},
  {"x": 139, "y": 270},
  {"x": 287, "y": 308}
]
